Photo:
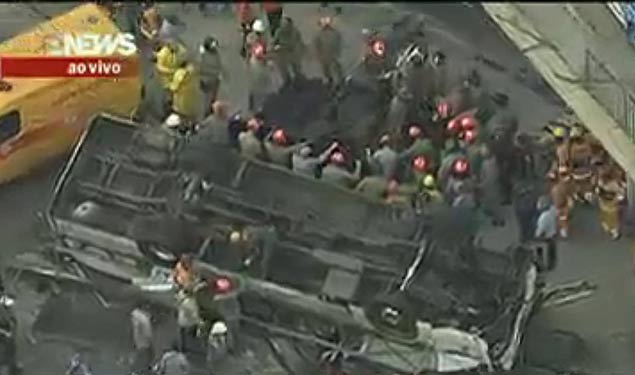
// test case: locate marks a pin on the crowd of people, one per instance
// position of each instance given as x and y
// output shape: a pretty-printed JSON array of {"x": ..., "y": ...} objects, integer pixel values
[{"x": 467, "y": 151}]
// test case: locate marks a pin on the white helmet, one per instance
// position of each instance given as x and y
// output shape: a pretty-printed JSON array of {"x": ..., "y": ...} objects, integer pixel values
[
  {"x": 258, "y": 26},
  {"x": 173, "y": 120},
  {"x": 219, "y": 328}
]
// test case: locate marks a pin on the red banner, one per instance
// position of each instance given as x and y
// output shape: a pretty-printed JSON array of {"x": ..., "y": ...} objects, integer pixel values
[{"x": 68, "y": 67}]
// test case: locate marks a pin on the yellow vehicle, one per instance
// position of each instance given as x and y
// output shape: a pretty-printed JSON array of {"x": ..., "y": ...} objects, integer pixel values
[{"x": 41, "y": 118}]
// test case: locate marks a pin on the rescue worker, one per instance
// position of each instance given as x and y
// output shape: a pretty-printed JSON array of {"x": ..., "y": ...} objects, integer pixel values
[
  {"x": 215, "y": 129},
  {"x": 259, "y": 74},
  {"x": 183, "y": 274},
  {"x": 250, "y": 144},
  {"x": 385, "y": 158},
  {"x": 245, "y": 19},
  {"x": 582, "y": 177},
  {"x": 397, "y": 111},
  {"x": 420, "y": 146},
  {"x": 211, "y": 71},
  {"x": 489, "y": 187},
  {"x": 218, "y": 343},
  {"x": 335, "y": 171},
  {"x": 562, "y": 159},
  {"x": 610, "y": 193},
  {"x": 328, "y": 47},
  {"x": 452, "y": 152},
  {"x": 459, "y": 174},
  {"x": 430, "y": 192},
  {"x": 186, "y": 95},
  {"x": 288, "y": 50},
  {"x": 273, "y": 10},
  {"x": 173, "y": 362},
  {"x": 547, "y": 231},
  {"x": 420, "y": 169},
  {"x": 142, "y": 334},
  {"x": 168, "y": 59},
  {"x": 373, "y": 187},
  {"x": 560, "y": 195},
  {"x": 188, "y": 319},
  {"x": 279, "y": 150},
  {"x": 303, "y": 163}
]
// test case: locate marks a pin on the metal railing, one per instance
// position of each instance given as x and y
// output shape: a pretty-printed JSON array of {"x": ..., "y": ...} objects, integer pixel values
[{"x": 608, "y": 91}]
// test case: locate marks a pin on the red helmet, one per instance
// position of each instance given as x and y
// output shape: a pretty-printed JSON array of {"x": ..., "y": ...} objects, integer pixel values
[
  {"x": 420, "y": 164},
  {"x": 470, "y": 135},
  {"x": 468, "y": 123},
  {"x": 453, "y": 126},
  {"x": 378, "y": 47},
  {"x": 259, "y": 50},
  {"x": 461, "y": 166},
  {"x": 337, "y": 158},
  {"x": 280, "y": 137},
  {"x": 414, "y": 131},
  {"x": 443, "y": 110}
]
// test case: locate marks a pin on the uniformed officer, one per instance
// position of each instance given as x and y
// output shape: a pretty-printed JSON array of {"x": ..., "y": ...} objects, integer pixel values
[
  {"x": 421, "y": 145},
  {"x": 328, "y": 47},
  {"x": 610, "y": 193},
  {"x": 335, "y": 172},
  {"x": 279, "y": 149},
  {"x": 250, "y": 145},
  {"x": 211, "y": 70},
  {"x": 582, "y": 176},
  {"x": 305, "y": 164},
  {"x": 288, "y": 49},
  {"x": 259, "y": 74},
  {"x": 385, "y": 158}
]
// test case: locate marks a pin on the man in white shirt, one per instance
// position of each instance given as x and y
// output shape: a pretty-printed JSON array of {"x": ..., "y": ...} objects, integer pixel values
[
  {"x": 142, "y": 336},
  {"x": 547, "y": 231}
]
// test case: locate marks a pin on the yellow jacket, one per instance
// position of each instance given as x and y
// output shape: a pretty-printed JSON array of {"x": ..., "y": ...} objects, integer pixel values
[
  {"x": 186, "y": 97},
  {"x": 168, "y": 61}
]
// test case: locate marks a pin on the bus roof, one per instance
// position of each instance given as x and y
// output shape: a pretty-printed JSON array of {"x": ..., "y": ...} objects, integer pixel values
[{"x": 87, "y": 18}]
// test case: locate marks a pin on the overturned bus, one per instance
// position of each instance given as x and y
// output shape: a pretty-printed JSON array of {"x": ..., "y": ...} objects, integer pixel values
[{"x": 345, "y": 278}]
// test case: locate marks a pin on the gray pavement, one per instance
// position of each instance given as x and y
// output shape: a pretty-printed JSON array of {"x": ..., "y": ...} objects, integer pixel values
[{"x": 604, "y": 321}]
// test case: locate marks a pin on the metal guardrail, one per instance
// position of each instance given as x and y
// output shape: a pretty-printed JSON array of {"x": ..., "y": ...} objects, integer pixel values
[{"x": 608, "y": 90}]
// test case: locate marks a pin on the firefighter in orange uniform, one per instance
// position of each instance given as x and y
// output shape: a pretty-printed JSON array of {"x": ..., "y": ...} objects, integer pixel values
[
  {"x": 610, "y": 193},
  {"x": 561, "y": 196},
  {"x": 582, "y": 175}
]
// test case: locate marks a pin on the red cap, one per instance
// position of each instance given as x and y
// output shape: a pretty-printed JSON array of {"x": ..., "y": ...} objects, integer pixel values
[
  {"x": 414, "y": 131},
  {"x": 420, "y": 164},
  {"x": 337, "y": 158},
  {"x": 461, "y": 166},
  {"x": 443, "y": 109},
  {"x": 470, "y": 135},
  {"x": 280, "y": 137},
  {"x": 468, "y": 123},
  {"x": 453, "y": 126},
  {"x": 378, "y": 47}
]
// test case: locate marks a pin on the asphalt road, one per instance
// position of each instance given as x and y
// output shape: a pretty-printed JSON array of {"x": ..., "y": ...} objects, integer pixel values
[{"x": 605, "y": 321}]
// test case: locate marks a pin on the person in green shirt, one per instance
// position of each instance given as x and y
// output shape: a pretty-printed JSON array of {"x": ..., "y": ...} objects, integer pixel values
[{"x": 421, "y": 145}]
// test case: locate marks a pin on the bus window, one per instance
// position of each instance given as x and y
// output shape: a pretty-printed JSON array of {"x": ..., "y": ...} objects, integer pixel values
[{"x": 9, "y": 126}]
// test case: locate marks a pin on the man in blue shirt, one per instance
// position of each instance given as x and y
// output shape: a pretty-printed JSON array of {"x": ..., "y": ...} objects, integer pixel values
[{"x": 547, "y": 231}]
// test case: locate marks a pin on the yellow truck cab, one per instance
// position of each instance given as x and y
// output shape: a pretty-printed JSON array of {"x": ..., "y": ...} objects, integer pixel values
[{"x": 41, "y": 118}]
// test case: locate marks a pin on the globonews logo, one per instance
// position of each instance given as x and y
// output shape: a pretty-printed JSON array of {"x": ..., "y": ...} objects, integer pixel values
[{"x": 90, "y": 45}]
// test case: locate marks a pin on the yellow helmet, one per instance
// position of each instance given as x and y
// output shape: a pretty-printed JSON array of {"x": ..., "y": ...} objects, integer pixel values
[
  {"x": 559, "y": 132},
  {"x": 429, "y": 181}
]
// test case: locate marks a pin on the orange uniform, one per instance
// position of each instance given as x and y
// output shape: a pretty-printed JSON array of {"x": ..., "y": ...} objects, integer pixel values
[{"x": 560, "y": 195}]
